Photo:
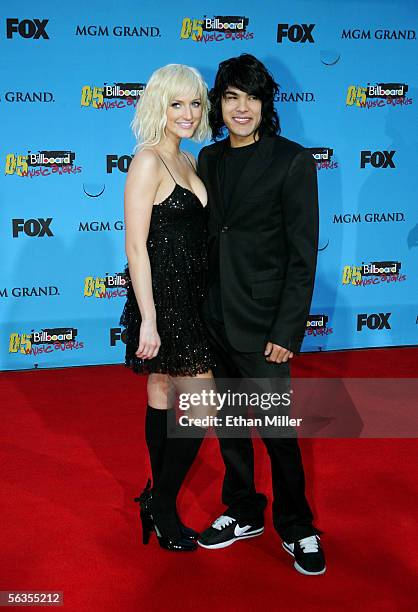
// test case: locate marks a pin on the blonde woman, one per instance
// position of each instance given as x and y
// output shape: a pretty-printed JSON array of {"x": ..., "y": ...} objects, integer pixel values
[{"x": 165, "y": 225}]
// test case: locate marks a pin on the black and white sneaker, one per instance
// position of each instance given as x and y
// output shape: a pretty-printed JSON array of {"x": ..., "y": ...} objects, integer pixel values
[
  {"x": 226, "y": 530},
  {"x": 308, "y": 554}
]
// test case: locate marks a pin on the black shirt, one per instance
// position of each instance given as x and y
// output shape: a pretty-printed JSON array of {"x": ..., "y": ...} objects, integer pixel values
[{"x": 230, "y": 169}]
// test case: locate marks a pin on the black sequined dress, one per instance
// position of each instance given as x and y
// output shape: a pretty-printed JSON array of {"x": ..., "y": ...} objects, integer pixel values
[{"x": 178, "y": 257}]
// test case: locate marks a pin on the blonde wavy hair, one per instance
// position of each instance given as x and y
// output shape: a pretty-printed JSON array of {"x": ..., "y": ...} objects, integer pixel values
[{"x": 164, "y": 86}]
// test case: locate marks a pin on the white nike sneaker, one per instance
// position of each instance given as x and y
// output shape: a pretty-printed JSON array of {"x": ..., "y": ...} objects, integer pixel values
[
  {"x": 226, "y": 530},
  {"x": 308, "y": 554}
]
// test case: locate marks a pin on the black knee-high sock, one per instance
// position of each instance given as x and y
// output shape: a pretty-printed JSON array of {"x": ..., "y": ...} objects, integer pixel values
[
  {"x": 156, "y": 439},
  {"x": 180, "y": 452}
]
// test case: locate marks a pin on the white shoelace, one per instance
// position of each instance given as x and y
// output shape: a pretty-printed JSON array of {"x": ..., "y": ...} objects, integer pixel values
[
  {"x": 222, "y": 522},
  {"x": 309, "y": 544}
]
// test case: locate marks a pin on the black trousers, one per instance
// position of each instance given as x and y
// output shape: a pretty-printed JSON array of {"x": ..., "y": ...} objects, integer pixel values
[{"x": 292, "y": 516}]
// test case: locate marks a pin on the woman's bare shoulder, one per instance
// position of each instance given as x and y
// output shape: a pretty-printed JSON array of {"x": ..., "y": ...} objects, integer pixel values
[
  {"x": 144, "y": 161},
  {"x": 144, "y": 171}
]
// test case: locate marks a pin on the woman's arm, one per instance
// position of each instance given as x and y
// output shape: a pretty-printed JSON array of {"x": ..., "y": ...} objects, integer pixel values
[{"x": 141, "y": 186}]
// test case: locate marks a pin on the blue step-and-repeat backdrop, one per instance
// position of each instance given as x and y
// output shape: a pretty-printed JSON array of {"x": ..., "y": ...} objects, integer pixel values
[{"x": 71, "y": 76}]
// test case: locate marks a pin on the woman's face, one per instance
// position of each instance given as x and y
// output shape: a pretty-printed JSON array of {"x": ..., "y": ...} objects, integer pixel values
[{"x": 184, "y": 114}]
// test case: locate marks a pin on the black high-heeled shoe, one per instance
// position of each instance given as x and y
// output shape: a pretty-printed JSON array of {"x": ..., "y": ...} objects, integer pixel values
[
  {"x": 145, "y": 501},
  {"x": 168, "y": 533},
  {"x": 147, "y": 526}
]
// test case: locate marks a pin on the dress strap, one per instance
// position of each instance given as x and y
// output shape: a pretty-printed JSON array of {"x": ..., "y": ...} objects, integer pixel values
[
  {"x": 189, "y": 160},
  {"x": 168, "y": 170}
]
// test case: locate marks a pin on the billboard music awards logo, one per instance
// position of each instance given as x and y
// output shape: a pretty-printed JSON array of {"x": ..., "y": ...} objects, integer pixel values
[
  {"x": 373, "y": 273},
  {"x": 43, "y": 163},
  {"x": 323, "y": 158},
  {"x": 47, "y": 340},
  {"x": 107, "y": 97},
  {"x": 215, "y": 29},
  {"x": 109, "y": 286},
  {"x": 374, "y": 96},
  {"x": 317, "y": 325}
]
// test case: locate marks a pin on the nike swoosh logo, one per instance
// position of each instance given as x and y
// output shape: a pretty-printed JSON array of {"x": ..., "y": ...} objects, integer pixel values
[{"x": 238, "y": 531}]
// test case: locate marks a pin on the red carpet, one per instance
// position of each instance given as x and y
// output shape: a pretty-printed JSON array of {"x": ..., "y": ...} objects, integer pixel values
[{"x": 73, "y": 457}]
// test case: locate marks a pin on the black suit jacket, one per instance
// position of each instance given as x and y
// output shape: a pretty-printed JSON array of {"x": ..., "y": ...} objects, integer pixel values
[{"x": 266, "y": 242}]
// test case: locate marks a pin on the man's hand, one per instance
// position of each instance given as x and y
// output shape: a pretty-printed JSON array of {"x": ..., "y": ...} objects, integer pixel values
[{"x": 276, "y": 353}]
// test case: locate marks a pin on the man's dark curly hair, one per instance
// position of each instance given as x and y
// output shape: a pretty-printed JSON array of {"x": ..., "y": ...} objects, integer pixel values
[{"x": 248, "y": 74}]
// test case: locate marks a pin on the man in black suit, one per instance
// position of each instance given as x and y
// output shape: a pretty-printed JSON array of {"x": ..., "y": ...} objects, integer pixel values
[{"x": 263, "y": 236}]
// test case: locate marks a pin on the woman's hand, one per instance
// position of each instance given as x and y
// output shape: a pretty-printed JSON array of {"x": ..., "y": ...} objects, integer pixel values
[{"x": 149, "y": 340}]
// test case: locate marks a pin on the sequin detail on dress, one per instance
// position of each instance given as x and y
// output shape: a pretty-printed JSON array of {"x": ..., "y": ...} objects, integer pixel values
[{"x": 178, "y": 257}]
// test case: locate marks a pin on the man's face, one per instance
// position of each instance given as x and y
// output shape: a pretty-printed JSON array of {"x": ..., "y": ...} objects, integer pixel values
[{"x": 241, "y": 113}]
